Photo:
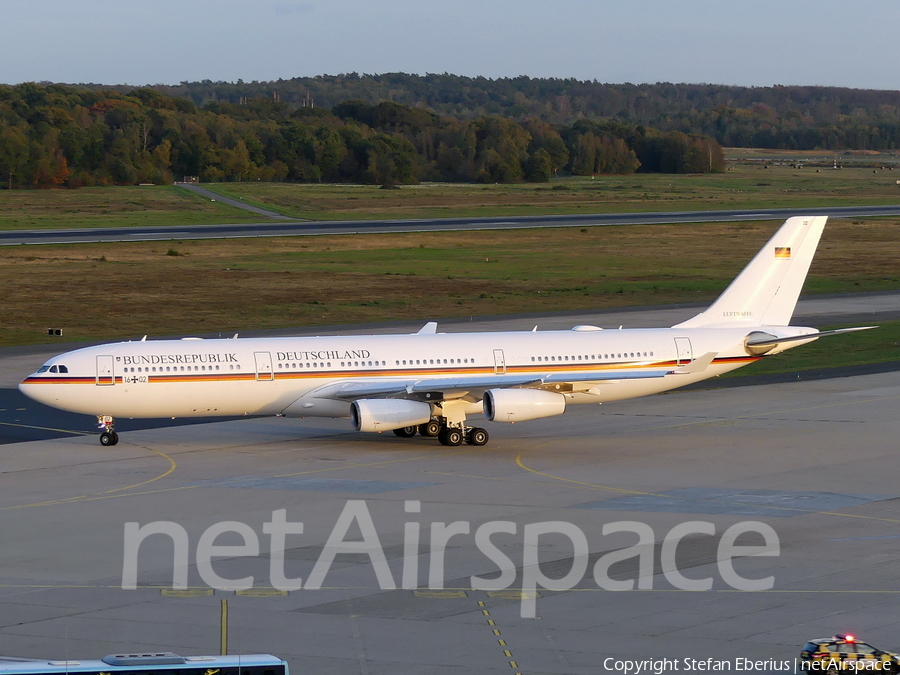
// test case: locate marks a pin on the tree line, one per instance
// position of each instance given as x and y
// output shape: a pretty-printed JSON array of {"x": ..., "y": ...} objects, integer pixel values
[
  {"x": 778, "y": 117},
  {"x": 55, "y": 135}
]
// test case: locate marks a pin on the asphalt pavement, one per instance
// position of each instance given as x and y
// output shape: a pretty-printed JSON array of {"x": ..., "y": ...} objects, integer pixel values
[{"x": 312, "y": 228}]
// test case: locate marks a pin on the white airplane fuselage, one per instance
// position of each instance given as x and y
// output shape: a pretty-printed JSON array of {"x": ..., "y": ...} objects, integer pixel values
[{"x": 270, "y": 376}]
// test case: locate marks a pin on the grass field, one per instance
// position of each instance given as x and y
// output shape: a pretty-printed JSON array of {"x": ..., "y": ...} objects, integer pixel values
[
  {"x": 110, "y": 291},
  {"x": 112, "y": 207},
  {"x": 746, "y": 185}
]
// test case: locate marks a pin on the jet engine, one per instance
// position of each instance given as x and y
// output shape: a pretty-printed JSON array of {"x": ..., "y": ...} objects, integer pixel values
[
  {"x": 384, "y": 414},
  {"x": 518, "y": 405}
]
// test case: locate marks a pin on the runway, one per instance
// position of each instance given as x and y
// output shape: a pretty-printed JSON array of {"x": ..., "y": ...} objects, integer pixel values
[
  {"x": 312, "y": 228},
  {"x": 815, "y": 461}
]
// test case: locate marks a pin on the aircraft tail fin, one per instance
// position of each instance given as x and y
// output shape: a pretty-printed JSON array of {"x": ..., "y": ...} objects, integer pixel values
[{"x": 766, "y": 291}]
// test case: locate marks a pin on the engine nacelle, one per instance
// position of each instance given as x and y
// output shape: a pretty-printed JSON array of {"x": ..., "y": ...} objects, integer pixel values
[
  {"x": 384, "y": 414},
  {"x": 518, "y": 405}
]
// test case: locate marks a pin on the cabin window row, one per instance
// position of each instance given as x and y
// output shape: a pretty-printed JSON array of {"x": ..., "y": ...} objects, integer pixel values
[
  {"x": 433, "y": 362},
  {"x": 176, "y": 369},
  {"x": 593, "y": 357},
  {"x": 376, "y": 364},
  {"x": 297, "y": 366}
]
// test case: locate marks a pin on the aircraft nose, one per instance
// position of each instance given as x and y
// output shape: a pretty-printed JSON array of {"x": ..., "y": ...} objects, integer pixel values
[{"x": 37, "y": 392}]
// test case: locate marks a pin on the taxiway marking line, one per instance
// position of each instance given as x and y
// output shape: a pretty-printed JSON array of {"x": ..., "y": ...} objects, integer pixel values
[
  {"x": 172, "y": 466},
  {"x": 33, "y": 426},
  {"x": 609, "y": 488},
  {"x": 772, "y": 412},
  {"x": 103, "y": 495},
  {"x": 491, "y": 623}
]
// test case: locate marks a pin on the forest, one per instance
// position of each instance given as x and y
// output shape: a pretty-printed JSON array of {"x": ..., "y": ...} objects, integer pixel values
[
  {"x": 777, "y": 117},
  {"x": 59, "y": 135}
]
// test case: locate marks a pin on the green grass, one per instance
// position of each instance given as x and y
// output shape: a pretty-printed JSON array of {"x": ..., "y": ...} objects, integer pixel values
[
  {"x": 111, "y": 291},
  {"x": 747, "y": 184},
  {"x": 113, "y": 207},
  {"x": 744, "y": 185}
]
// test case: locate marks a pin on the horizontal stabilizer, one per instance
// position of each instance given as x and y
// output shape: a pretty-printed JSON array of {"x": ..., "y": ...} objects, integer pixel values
[
  {"x": 772, "y": 341},
  {"x": 698, "y": 365}
]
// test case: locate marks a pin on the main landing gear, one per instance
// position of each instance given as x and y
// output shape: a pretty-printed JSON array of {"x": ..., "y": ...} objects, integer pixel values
[
  {"x": 447, "y": 435},
  {"x": 108, "y": 436}
]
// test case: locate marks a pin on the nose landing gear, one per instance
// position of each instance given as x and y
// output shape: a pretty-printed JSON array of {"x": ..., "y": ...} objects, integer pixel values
[{"x": 109, "y": 435}]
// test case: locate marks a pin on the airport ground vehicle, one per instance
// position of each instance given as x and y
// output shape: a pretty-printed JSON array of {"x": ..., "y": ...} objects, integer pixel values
[
  {"x": 846, "y": 653},
  {"x": 160, "y": 663}
]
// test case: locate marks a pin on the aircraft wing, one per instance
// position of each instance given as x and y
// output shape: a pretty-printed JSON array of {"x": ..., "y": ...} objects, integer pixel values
[{"x": 437, "y": 389}]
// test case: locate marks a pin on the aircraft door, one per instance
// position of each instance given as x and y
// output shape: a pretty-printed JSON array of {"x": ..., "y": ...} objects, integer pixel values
[
  {"x": 264, "y": 370},
  {"x": 499, "y": 362},
  {"x": 105, "y": 373},
  {"x": 683, "y": 351}
]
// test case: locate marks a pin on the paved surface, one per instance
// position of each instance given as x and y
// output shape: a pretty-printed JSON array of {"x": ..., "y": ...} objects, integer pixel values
[
  {"x": 815, "y": 461},
  {"x": 310, "y": 228},
  {"x": 238, "y": 203}
]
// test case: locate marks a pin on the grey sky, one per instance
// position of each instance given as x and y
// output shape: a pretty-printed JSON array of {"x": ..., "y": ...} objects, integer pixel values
[{"x": 744, "y": 42}]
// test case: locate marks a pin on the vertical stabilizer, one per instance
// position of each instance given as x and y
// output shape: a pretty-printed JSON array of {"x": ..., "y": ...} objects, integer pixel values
[{"x": 766, "y": 292}]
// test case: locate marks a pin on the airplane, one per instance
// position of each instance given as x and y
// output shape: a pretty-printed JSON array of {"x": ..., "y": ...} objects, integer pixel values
[{"x": 431, "y": 383}]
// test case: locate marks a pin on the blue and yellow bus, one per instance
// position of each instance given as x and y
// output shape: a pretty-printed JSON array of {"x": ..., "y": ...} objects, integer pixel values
[{"x": 161, "y": 663}]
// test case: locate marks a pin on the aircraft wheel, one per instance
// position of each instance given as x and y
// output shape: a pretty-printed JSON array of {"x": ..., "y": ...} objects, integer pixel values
[
  {"x": 430, "y": 429},
  {"x": 406, "y": 432},
  {"x": 453, "y": 436},
  {"x": 109, "y": 438},
  {"x": 477, "y": 436}
]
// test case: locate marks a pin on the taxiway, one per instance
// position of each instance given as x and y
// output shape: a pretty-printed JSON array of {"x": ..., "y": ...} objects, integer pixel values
[{"x": 816, "y": 461}]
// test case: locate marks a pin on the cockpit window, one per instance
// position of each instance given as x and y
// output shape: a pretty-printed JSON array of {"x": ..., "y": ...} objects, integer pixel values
[
  {"x": 63, "y": 369},
  {"x": 54, "y": 369},
  {"x": 43, "y": 369}
]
